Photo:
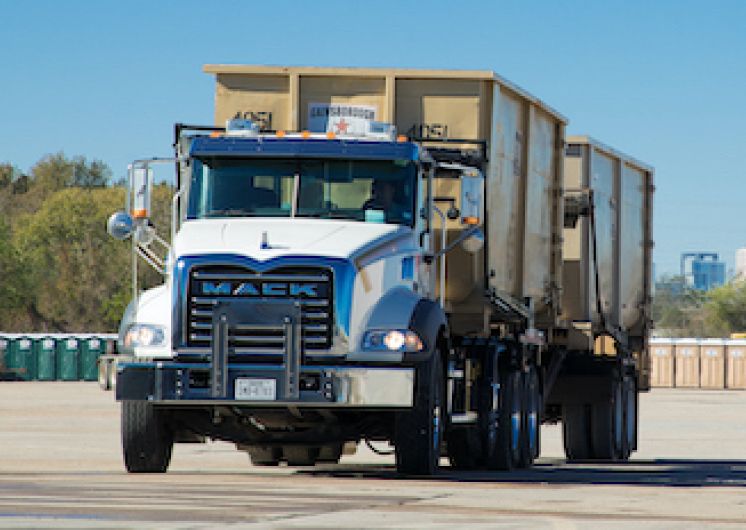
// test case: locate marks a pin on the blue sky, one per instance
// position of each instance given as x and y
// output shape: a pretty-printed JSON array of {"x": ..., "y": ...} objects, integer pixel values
[{"x": 664, "y": 81}]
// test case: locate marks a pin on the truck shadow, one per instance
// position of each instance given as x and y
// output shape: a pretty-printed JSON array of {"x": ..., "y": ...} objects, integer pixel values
[{"x": 663, "y": 472}]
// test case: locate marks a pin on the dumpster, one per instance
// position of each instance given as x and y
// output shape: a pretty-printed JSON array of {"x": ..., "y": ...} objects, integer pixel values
[
  {"x": 736, "y": 364},
  {"x": 712, "y": 363},
  {"x": 68, "y": 359},
  {"x": 661, "y": 352},
  {"x": 21, "y": 358},
  {"x": 46, "y": 358},
  {"x": 91, "y": 349},
  {"x": 686, "y": 363}
]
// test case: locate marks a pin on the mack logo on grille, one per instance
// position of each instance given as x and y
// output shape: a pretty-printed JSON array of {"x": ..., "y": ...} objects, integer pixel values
[{"x": 308, "y": 290}]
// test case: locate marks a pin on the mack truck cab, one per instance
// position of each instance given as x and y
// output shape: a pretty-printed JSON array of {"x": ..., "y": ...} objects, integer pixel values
[{"x": 301, "y": 309}]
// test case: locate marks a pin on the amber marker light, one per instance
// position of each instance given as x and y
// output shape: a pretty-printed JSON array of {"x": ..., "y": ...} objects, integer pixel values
[
  {"x": 280, "y": 134},
  {"x": 401, "y": 138},
  {"x": 215, "y": 134},
  {"x": 330, "y": 135},
  {"x": 140, "y": 214},
  {"x": 305, "y": 135},
  {"x": 470, "y": 220}
]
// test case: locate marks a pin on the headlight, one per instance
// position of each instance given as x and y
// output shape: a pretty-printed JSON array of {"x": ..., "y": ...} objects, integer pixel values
[
  {"x": 403, "y": 340},
  {"x": 144, "y": 336}
]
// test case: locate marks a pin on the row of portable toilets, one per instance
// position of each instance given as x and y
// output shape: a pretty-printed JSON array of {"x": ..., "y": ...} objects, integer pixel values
[
  {"x": 698, "y": 363},
  {"x": 56, "y": 357}
]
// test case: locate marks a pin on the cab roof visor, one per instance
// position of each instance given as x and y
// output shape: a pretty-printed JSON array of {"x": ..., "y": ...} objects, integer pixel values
[{"x": 302, "y": 148}]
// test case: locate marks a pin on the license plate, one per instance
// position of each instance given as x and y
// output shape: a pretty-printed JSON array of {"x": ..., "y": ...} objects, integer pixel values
[{"x": 256, "y": 389}]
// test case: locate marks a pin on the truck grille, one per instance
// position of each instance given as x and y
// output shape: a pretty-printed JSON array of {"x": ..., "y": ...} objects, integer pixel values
[{"x": 312, "y": 287}]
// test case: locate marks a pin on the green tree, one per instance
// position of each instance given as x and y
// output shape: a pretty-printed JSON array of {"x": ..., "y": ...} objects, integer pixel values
[
  {"x": 13, "y": 277},
  {"x": 75, "y": 268},
  {"x": 726, "y": 309}
]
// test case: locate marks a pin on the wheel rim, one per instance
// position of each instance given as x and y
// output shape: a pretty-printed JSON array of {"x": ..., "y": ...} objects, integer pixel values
[
  {"x": 515, "y": 419},
  {"x": 533, "y": 418},
  {"x": 618, "y": 418}
]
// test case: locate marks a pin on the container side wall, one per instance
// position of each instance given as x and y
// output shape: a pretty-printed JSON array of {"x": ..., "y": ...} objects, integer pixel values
[
  {"x": 265, "y": 99},
  {"x": 540, "y": 207},
  {"x": 632, "y": 235},
  {"x": 604, "y": 204},
  {"x": 363, "y": 91},
  {"x": 431, "y": 107},
  {"x": 504, "y": 198}
]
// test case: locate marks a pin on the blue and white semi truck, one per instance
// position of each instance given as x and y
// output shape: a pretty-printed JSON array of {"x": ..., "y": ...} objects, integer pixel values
[{"x": 329, "y": 281}]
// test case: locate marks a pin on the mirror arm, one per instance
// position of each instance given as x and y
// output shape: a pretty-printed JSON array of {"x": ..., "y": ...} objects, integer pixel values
[{"x": 466, "y": 234}]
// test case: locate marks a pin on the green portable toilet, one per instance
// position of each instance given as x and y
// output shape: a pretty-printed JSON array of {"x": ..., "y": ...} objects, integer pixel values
[
  {"x": 4, "y": 345},
  {"x": 21, "y": 359},
  {"x": 92, "y": 348},
  {"x": 46, "y": 358},
  {"x": 68, "y": 358}
]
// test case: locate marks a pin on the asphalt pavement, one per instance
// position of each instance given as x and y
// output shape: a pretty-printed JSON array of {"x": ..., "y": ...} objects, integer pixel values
[{"x": 61, "y": 467}]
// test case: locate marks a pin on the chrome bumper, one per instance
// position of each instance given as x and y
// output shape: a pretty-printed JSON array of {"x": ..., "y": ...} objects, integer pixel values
[{"x": 332, "y": 386}]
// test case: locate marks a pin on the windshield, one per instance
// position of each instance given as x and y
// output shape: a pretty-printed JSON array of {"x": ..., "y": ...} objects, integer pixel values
[{"x": 359, "y": 190}]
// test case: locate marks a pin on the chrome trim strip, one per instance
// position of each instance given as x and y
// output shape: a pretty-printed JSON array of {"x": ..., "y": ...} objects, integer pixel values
[{"x": 270, "y": 277}]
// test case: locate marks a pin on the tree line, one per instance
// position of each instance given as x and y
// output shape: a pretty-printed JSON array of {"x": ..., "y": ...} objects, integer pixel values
[
  {"x": 680, "y": 311},
  {"x": 59, "y": 269}
]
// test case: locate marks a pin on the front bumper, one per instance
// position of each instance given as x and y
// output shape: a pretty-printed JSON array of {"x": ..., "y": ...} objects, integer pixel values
[{"x": 188, "y": 384}]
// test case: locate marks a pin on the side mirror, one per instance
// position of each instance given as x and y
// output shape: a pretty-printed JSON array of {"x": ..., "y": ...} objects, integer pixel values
[{"x": 120, "y": 225}]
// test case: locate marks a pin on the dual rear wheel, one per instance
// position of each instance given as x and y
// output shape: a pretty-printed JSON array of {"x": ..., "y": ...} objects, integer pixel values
[
  {"x": 605, "y": 429},
  {"x": 508, "y": 435}
]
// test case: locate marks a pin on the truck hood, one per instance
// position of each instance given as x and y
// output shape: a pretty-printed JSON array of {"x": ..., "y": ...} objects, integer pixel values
[{"x": 284, "y": 237}]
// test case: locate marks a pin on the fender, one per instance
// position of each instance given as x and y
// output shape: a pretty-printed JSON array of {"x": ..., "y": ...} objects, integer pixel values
[{"x": 427, "y": 319}]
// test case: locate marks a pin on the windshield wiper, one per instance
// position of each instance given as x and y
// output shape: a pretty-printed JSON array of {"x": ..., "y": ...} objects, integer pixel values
[{"x": 228, "y": 212}]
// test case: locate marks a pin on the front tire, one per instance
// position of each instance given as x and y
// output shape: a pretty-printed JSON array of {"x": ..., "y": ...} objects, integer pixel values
[
  {"x": 419, "y": 432},
  {"x": 147, "y": 441}
]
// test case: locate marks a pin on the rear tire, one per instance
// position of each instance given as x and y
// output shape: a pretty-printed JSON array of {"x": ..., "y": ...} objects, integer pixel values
[
  {"x": 576, "y": 432},
  {"x": 607, "y": 423},
  {"x": 630, "y": 416},
  {"x": 533, "y": 408},
  {"x": 300, "y": 455},
  {"x": 330, "y": 454},
  {"x": 504, "y": 441},
  {"x": 464, "y": 449},
  {"x": 419, "y": 432},
  {"x": 264, "y": 455},
  {"x": 147, "y": 441}
]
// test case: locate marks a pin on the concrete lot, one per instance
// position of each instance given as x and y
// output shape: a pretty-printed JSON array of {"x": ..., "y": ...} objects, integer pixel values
[{"x": 60, "y": 467}]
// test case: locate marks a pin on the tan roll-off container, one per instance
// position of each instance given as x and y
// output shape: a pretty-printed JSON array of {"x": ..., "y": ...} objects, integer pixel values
[
  {"x": 523, "y": 141},
  {"x": 608, "y": 252}
]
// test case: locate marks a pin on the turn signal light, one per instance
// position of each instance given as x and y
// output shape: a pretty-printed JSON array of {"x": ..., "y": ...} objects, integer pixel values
[{"x": 470, "y": 220}]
